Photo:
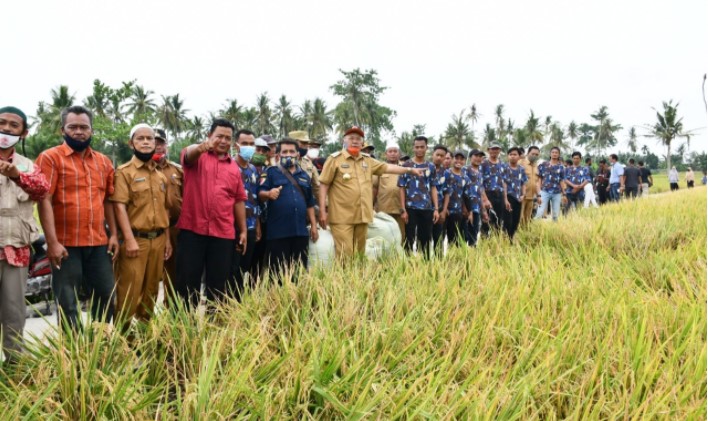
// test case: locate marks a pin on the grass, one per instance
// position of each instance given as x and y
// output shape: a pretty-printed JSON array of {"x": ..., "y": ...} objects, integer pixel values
[{"x": 601, "y": 315}]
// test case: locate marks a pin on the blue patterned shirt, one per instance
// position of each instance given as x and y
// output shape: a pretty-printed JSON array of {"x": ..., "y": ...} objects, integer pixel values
[
  {"x": 249, "y": 176},
  {"x": 576, "y": 175},
  {"x": 419, "y": 188},
  {"x": 474, "y": 189},
  {"x": 456, "y": 186},
  {"x": 515, "y": 179},
  {"x": 551, "y": 176},
  {"x": 493, "y": 176},
  {"x": 441, "y": 185}
]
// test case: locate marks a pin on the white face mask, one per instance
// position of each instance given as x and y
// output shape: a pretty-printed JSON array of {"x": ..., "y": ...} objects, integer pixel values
[
  {"x": 8, "y": 140},
  {"x": 313, "y": 153}
]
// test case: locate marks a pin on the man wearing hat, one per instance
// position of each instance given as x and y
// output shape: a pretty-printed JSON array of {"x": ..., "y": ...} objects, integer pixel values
[
  {"x": 304, "y": 142},
  {"x": 495, "y": 188},
  {"x": 74, "y": 215},
  {"x": 386, "y": 194},
  {"x": 21, "y": 185},
  {"x": 346, "y": 180},
  {"x": 272, "y": 143},
  {"x": 141, "y": 203},
  {"x": 478, "y": 202},
  {"x": 368, "y": 149},
  {"x": 174, "y": 175}
]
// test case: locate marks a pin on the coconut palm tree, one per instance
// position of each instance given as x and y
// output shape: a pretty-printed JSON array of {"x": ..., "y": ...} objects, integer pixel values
[
  {"x": 99, "y": 100},
  {"x": 284, "y": 115},
  {"x": 320, "y": 120},
  {"x": 140, "y": 103},
  {"x": 668, "y": 127},
  {"x": 499, "y": 118},
  {"x": 172, "y": 115},
  {"x": 632, "y": 140},
  {"x": 533, "y": 129},
  {"x": 458, "y": 134},
  {"x": 304, "y": 118},
  {"x": 489, "y": 135},
  {"x": 572, "y": 133},
  {"x": 264, "y": 119},
  {"x": 232, "y": 112},
  {"x": 50, "y": 116}
]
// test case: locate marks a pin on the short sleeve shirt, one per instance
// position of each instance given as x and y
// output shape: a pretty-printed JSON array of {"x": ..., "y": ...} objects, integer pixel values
[
  {"x": 515, "y": 179},
  {"x": 174, "y": 174},
  {"x": 350, "y": 187},
  {"x": 441, "y": 184},
  {"x": 212, "y": 187},
  {"x": 249, "y": 177},
  {"x": 645, "y": 172},
  {"x": 287, "y": 215},
  {"x": 455, "y": 187},
  {"x": 576, "y": 175},
  {"x": 616, "y": 171},
  {"x": 474, "y": 189},
  {"x": 143, "y": 190},
  {"x": 387, "y": 197},
  {"x": 493, "y": 175},
  {"x": 551, "y": 176},
  {"x": 419, "y": 188}
]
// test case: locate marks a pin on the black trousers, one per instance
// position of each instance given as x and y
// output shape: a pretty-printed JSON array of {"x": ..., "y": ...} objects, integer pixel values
[
  {"x": 201, "y": 254},
  {"x": 439, "y": 231},
  {"x": 631, "y": 192},
  {"x": 602, "y": 195},
  {"x": 689, "y": 184},
  {"x": 496, "y": 218},
  {"x": 573, "y": 200},
  {"x": 241, "y": 264},
  {"x": 472, "y": 229},
  {"x": 674, "y": 186},
  {"x": 419, "y": 229},
  {"x": 287, "y": 252},
  {"x": 513, "y": 217},
  {"x": 455, "y": 229}
]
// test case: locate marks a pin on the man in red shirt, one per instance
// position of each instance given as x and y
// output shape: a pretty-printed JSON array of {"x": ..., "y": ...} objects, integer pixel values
[
  {"x": 213, "y": 206},
  {"x": 74, "y": 215}
]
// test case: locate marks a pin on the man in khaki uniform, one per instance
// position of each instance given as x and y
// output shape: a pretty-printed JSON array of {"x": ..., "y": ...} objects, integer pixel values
[
  {"x": 530, "y": 164},
  {"x": 387, "y": 192},
  {"x": 140, "y": 200},
  {"x": 305, "y": 145},
  {"x": 174, "y": 175},
  {"x": 346, "y": 180}
]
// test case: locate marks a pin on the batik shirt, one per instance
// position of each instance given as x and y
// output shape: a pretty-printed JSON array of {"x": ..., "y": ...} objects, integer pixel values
[
  {"x": 441, "y": 185},
  {"x": 515, "y": 179},
  {"x": 473, "y": 191},
  {"x": 576, "y": 175},
  {"x": 493, "y": 176},
  {"x": 418, "y": 188},
  {"x": 551, "y": 176},
  {"x": 455, "y": 186},
  {"x": 249, "y": 176}
]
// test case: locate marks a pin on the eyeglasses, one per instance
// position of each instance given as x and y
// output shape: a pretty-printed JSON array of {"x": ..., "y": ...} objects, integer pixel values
[{"x": 78, "y": 128}]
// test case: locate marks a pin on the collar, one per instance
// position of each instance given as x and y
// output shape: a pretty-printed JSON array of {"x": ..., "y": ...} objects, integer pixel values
[
  {"x": 68, "y": 151},
  {"x": 139, "y": 164},
  {"x": 347, "y": 155},
  {"x": 226, "y": 158}
]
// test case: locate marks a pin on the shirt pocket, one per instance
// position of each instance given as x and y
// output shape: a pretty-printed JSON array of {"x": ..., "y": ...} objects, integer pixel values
[{"x": 140, "y": 193}]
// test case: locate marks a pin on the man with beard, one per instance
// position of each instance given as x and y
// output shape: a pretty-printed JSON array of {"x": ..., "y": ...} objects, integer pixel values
[
  {"x": 530, "y": 165},
  {"x": 141, "y": 204},
  {"x": 21, "y": 185},
  {"x": 74, "y": 215},
  {"x": 214, "y": 203},
  {"x": 174, "y": 175}
]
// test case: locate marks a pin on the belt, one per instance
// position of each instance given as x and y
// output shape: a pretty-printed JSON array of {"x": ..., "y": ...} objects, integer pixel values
[{"x": 149, "y": 235}]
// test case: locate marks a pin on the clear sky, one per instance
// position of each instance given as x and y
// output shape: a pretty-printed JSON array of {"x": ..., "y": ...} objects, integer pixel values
[{"x": 559, "y": 58}]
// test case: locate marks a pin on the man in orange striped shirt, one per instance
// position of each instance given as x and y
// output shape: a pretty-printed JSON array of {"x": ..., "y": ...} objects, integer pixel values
[{"x": 74, "y": 215}]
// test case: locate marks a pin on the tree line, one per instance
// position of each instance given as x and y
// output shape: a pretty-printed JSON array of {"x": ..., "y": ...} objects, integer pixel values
[{"x": 117, "y": 109}]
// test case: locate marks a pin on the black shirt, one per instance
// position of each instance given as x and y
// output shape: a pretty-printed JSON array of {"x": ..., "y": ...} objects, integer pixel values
[
  {"x": 644, "y": 173},
  {"x": 631, "y": 177}
]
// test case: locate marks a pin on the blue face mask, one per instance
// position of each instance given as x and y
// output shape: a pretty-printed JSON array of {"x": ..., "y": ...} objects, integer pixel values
[
  {"x": 247, "y": 152},
  {"x": 287, "y": 161}
]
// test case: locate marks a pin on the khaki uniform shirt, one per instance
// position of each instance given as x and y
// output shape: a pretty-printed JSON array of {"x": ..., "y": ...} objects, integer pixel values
[
  {"x": 532, "y": 175},
  {"x": 143, "y": 190},
  {"x": 309, "y": 167},
  {"x": 388, "y": 197},
  {"x": 350, "y": 187},
  {"x": 174, "y": 174}
]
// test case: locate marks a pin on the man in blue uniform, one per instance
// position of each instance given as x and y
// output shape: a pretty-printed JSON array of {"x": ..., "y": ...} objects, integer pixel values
[
  {"x": 494, "y": 187},
  {"x": 439, "y": 229},
  {"x": 291, "y": 206},
  {"x": 576, "y": 177},
  {"x": 515, "y": 179},
  {"x": 419, "y": 199}
]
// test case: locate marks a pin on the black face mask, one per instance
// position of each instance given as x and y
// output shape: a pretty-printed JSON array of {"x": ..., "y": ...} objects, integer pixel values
[
  {"x": 77, "y": 145},
  {"x": 143, "y": 156},
  {"x": 302, "y": 152}
]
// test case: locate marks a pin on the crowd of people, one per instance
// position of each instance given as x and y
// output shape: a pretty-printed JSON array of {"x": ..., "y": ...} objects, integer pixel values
[{"x": 237, "y": 205}]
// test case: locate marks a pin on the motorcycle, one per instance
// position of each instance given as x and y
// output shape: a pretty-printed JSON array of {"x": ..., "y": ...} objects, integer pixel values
[{"x": 39, "y": 280}]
